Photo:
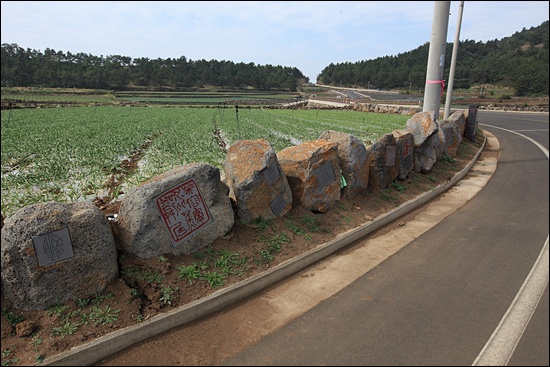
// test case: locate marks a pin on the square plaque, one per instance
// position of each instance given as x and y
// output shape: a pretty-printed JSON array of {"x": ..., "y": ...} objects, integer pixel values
[
  {"x": 271, "y": 173},
  {"x": 390, "y": 155},
  {"x": 277, "y": 205},
  {"x": 183, "y": 210},
  {"x": 53, "y": 247},
  {"x": 362, "y": 156},
  {"x": 325, "y": 175}
]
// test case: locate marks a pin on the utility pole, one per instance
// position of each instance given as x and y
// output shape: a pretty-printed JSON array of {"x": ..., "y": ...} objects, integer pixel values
[
  {"x": 453, "y": 63},
  {"x": 436, "y": 58}
]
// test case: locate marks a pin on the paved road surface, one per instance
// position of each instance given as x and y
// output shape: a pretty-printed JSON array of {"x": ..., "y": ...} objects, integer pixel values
[
  {"x": 439, "y": 300},
  {"x": 458, "y": 284}
]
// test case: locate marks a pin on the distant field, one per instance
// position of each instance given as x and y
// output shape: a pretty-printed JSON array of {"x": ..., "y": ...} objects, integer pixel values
[
  {"x": 84, "y": 96},
  {"x": 59, "y": 95},
  {"x": 68, "y": 154}
]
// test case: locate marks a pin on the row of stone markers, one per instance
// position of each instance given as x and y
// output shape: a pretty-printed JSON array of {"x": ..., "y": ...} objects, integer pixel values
[{"x": 54, "y": 252}]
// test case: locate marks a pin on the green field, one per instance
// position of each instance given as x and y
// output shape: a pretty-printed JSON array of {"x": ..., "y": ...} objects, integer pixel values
[
  {"x": 67, "y": 154},
  {"x": 206, "y": 97}
]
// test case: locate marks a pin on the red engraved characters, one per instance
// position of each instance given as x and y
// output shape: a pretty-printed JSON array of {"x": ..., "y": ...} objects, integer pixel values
[{"x": 183, "y": 210}]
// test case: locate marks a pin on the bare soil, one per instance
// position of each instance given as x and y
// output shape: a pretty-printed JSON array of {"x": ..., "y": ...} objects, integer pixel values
[{"x": 146, "y": 288}]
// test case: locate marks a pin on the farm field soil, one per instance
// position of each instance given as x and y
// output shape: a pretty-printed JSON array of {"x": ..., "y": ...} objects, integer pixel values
[{"x": 129, "y": 300}]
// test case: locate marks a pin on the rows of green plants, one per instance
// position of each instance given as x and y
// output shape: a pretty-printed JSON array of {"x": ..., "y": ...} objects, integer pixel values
[
  {"x": 57, "y": 98},
  {"x": 67, "y": 154},
  {"x": 84, "y": 96},
  {"x": 212, "y": 99}
]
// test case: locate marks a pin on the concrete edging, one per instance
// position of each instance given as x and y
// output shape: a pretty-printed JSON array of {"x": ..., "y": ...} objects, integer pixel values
[{"x": 101, "y": 348}]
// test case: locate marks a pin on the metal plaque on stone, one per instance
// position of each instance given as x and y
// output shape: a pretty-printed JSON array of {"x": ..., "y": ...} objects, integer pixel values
[
  {"x": 183, "y": 210},
  {"x": 53, "y": 247},
  {"x": 277, "y": 205},
  {"x": 271, "y": 173},
  {"x": 390, "y": 155},
  {"x": 407, "y": 148},
  {"x": 325, "y": 174},
  {"x": 362, "y": 156}
]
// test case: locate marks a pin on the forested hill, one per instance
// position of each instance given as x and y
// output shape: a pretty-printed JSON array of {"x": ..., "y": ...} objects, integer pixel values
[
  {"x": 519, "y": 61},
  {"x": 33, "y": 68}
]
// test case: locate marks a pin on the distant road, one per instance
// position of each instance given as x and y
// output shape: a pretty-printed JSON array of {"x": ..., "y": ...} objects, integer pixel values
[{"x": 354, "y": 94}]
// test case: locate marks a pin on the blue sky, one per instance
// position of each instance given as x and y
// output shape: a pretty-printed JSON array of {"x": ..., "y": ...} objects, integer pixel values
[{"x": 308, "y": 35}]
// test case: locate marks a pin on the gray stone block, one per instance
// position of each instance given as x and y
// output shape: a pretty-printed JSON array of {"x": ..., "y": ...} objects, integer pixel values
[
  {"x": 313, "y": 173},
  {"x": 55, "y": 252},
  {"x": 178, "y": 212},
  {"x": 354, "y": 161},
  {"x": 256, "y": 181}
]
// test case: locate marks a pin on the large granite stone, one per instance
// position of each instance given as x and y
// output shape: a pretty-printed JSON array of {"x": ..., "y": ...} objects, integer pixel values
[
  {"x": 176, "y": 213},
  {"x": 453, "y": 129},
  {"x": 422, "y": 125},
  {"x": 354, "y": 161},
  {"x": 404, "y": 140},
  {"x": 384, "y": 162},
  {"x": 313, "y": 173},
  {"x": 55, "y": 252},
  {"x": 256, "y": 181}
]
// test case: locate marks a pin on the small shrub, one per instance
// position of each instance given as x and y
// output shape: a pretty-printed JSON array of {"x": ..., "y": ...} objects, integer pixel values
[
  {"x": 311, "y": 224},
  {"x": 189, "y": 273},
  {"x": 83, "y": 302},
  {"x": 103, "y": 316},
  {"x": 68, "y": 328},
  {"x": 262, "y": 223},
  {"x": 12, "y": 317},
  {"x": 214, "y": 279},
  {"x": 265, "y": 257},
  {"x": 340, "y": 206},
  {"x": 57, "y": 309},
  {"x": 293, "y": 227},
  {"x": 98, "y": 297},
  {"x": 167, "y": 292},
  {"x": 398, "y": 186}
]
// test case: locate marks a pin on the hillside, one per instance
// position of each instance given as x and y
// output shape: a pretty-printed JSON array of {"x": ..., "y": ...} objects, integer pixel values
[{"x": 519, "y": 61}]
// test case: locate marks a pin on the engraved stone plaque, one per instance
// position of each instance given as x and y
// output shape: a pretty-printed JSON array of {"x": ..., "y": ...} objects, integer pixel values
[
  {"x": 325, "y": 175},
  {"x": 407, "y": 148},
  {"x": 53, "y": 247},
  {"x": 277, "y": 205},
  {"x": 390, "y": 155},
  {"x": 362, "y": 156},
  {"x": 271, "y": 173},
  {"x": 183, "y": 210}
]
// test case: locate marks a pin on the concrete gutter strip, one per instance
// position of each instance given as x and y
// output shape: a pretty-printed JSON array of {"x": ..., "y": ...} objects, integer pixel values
[{"x": 101, "y": 348}]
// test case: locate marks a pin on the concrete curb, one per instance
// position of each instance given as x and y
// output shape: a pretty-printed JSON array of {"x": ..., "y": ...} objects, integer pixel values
[{"x": 99, "y": 349}]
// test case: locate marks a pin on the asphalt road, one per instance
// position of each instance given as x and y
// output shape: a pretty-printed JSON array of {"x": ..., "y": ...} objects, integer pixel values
[
  {"x": 462, "y": 281},
  {"x": 472, "y": 290}
]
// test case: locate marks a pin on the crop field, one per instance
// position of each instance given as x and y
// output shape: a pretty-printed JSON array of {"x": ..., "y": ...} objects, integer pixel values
[
  {"x": 200, "y": 98},
  {"x": 68, "y": 154},
  {"x": 73, "y": 96}
]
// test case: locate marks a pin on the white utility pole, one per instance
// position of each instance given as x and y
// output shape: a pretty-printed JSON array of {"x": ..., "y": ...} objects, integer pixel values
[
  {"x": 436, "y": 58},
  {"x": 453, "y": 63}
]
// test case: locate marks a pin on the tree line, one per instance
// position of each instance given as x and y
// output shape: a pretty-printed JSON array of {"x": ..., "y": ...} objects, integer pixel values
[
  {"x": 53, "y": 69},
  {"x": 519, "y": 61}
]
